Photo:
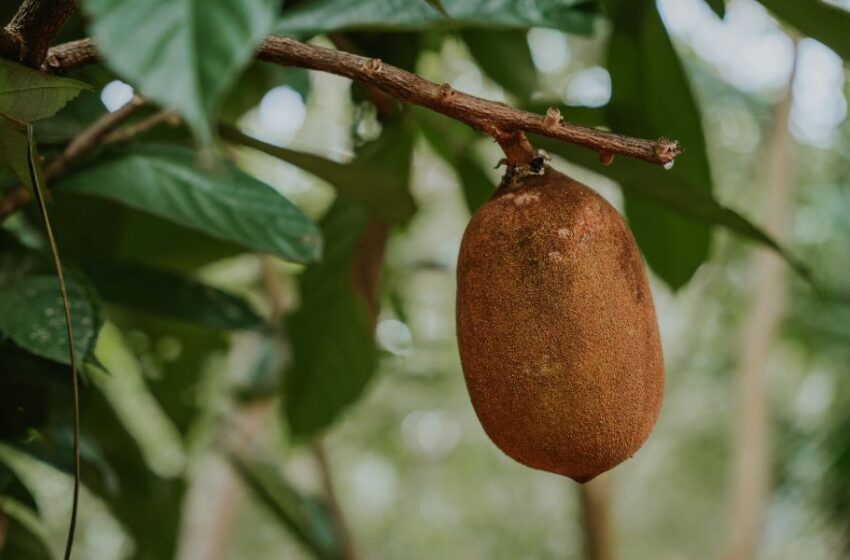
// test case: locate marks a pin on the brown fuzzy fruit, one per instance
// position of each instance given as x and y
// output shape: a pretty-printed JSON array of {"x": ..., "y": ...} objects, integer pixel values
[{"x": 556, "y": 327}]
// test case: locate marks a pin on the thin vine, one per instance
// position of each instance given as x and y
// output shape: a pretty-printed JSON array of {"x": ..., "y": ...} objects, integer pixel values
[{"x": 54, "y": 250}]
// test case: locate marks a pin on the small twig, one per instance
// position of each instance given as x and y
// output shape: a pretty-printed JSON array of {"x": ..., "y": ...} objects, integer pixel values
[
  {"x": 131, "y": 131},
  {"x": 343, "y": 531},
  {"x": 27, "y": 37},
  {"x": 91, "y": 137},
  {"x": 66, "y": 305},
  {"x": 496, "y": 119},
  {"x": 274, "y": 289}
]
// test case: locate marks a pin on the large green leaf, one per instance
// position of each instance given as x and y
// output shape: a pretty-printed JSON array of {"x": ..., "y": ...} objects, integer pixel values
[
  {"x": 27, "y": 95},
  {"x": 322, "y": 16},
  {"x": 96, "y": 229},
  {"x": 332, "y": 333},
  {"x": 817, "y": 19},
  {"x": 305, "y": 518},
  {"x": 165, "y": 181},
  {"x": 182, "y": 53},
  {"x": 374, "y": 185},
  {"x": 31, "y": 310},
  {"x": 650, "y": 98},
  {"x": 168, "y": 294},
  {"x": 505, "y": 57}
]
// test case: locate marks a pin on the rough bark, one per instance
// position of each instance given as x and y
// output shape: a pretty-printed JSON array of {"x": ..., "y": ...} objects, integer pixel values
[{"x": 27, "y": 37}]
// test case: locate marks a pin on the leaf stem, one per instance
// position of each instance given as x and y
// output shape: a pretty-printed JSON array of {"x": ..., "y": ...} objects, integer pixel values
[{"x": 66, "y": 304}]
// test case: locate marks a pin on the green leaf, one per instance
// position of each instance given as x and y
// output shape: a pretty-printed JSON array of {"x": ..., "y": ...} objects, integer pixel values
[
  {"x": 76, "y": 116},
  {"x": 332, "y": 332},
  {"x": 323, "y": 16},
  {"x": 13, "y": 149},
  {"x": 182, "y": 53},
  {"x": 718, "y": 6},
  {"x": 650, "y": 98},
  {"x": 31, "y": 310},
  {"x": 305, "y": 518},
  {"x": 375, "y": 186},
  {"x": 505, "y": 57},
  {"x": 168, "y": 294},
  {"x": 27, "y": 95},
  {"x": 816, "y": 19},
  {"x": 98, "y": 229},
  {"x": 25, "y": 534},
  {"x": 11, "y": 486},
  {"x": 165, "y": 181}
]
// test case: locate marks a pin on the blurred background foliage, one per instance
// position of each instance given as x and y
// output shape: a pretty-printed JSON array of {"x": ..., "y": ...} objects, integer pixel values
[{"x": 264, "y": 288}]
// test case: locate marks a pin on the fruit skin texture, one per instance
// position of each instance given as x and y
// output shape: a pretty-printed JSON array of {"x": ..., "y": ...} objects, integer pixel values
[{"x": 556, "y": 327}]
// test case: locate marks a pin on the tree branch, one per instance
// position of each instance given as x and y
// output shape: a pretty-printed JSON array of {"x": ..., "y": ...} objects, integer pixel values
[
  {"x": 504, "y": 123},
  {"x": 27, "y": 37}
]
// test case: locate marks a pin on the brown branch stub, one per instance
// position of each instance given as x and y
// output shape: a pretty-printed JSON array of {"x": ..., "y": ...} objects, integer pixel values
[
  {"x": 496, "y": 119},
  {"x": 71, "y": 55},
  {"x": 553, "y": 117},
  {"x": 27, "y": 37}
]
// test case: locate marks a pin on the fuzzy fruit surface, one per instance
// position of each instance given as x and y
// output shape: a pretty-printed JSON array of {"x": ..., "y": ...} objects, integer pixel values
[{"x": 556, "y": 327}]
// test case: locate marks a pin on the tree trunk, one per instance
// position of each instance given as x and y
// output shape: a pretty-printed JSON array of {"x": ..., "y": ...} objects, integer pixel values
[{"x": 750, "y": 476}]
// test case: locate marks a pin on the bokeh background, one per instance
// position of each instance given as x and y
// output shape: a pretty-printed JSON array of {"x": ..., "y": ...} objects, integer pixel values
[{"x": 753, "y": 441}]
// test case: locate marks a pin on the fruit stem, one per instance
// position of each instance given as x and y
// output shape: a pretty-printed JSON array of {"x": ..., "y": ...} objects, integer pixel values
[{"x": 517, "y": 148}]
